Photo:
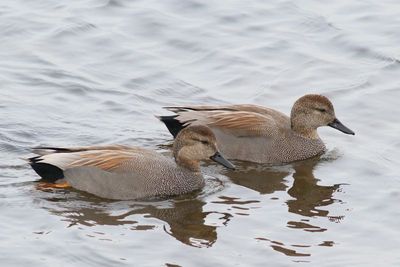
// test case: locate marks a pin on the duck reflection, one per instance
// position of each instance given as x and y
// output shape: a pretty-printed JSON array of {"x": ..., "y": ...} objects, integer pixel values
[
  {"x": 186, "y": 222},
  {"x": 264, "y": 179},
  {"x": 184, "y": 219},
  {"x": 309, "y": 197}
]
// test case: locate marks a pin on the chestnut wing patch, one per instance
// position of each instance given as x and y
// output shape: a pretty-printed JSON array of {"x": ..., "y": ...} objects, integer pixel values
[
  {"x": 242, "y": 123},
  {"x": 105, "y": 160}
]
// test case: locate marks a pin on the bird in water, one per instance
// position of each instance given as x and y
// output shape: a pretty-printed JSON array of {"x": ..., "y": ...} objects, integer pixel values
[
  {"x": 123, "y": 172},
  {"x": 260, "y": 134}
]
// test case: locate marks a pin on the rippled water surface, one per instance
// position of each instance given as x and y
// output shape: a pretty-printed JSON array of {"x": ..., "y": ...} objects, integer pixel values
[{"x": 96, "y": 71}]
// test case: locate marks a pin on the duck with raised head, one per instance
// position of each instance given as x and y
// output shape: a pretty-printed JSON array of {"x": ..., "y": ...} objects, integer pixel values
[
  {"x": 260, "y": 134},
  {"x": 122, "y": 172}
]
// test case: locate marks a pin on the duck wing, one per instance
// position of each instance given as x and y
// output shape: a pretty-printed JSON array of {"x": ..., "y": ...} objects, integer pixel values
[
  {"x": 237, "y": 120},
  {"x": 51, "y": 162},
  {"x": 109, "y": 171}
]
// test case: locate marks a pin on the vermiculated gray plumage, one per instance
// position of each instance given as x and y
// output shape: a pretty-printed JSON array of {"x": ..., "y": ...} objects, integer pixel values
[
  {"x": 123, "y": 172},
  {"x": 260, "y": 134},
  {"x": 132, "y": 180}
]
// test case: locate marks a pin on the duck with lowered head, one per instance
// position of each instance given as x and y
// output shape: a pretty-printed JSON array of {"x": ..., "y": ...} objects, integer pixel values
[{"x": 260, "y": 134}]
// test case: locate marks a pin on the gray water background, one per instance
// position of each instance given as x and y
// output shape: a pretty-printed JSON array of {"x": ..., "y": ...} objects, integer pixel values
[{"x": 95, "y": 72}]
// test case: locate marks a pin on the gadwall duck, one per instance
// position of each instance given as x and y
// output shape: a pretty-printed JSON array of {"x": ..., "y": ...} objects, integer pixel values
[
  {"x": 122, "y": 172},
  {"x": 260, "y": 134}
]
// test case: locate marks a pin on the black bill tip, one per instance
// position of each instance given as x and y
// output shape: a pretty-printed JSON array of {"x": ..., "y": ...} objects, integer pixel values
[
  {"x": 217, "y": 157},
  {"x": 339, "y": 126}
]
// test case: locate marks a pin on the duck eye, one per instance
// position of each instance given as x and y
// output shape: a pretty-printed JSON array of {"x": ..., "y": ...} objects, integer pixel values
[
  {"x": 321, "y": 109},
  {"x": 204, "y": 142}
]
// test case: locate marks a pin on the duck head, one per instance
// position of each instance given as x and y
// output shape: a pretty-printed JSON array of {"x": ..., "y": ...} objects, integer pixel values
[
  {"x": 196, "y": 143},
  {"x": 312, "y": 111}
]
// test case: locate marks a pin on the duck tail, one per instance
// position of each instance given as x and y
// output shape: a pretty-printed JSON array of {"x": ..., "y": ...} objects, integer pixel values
[
  {"x": 173, "y": 124},
  {"x": 48, "y": 172},
  {"x": 49, "y": 162}
]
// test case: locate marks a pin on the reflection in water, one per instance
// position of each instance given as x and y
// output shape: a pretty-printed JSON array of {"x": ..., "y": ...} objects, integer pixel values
[
  {"x": 281, "y": 247},
  {"x": 308, "y": 199},
  {"x": 293, "y": 250},
  {"x": 264, "y": 179},
  {"x": 186, "y": 222},
  {"x": 185, "y": 219}
]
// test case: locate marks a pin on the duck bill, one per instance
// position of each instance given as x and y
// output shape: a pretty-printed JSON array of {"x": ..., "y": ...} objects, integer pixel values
[
  {"x": 339, "y": 126},
  {"x": 217, "y": 157}
]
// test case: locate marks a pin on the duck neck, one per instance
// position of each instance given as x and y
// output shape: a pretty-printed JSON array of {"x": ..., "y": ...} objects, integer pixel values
[
  {"x": 306, "y": 132},
  {"x": 192, "y": 165},
  {"x": 183, "y": 159}
]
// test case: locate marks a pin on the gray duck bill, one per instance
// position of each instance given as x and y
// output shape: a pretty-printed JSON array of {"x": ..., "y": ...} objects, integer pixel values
[
  {"x": 217, "y": 157},
  {"x": 339, "y": 126}
]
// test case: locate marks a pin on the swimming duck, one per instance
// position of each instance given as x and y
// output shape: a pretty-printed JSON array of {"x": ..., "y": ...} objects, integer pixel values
[
  {"x": 122, "y": 172},
  {"x": 260, "y": 134}
]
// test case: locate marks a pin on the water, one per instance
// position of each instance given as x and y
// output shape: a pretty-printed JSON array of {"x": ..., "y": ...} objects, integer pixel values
[{"x": 96, "y": 71}]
